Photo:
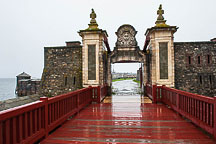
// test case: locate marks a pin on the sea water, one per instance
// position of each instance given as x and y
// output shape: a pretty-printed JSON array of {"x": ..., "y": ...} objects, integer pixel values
[{"x": 7, "y": 88}]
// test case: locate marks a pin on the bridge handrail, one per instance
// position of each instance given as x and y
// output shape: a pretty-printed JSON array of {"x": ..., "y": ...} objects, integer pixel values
[
  {"x": 99, "y": 93},
  {"x": 31, "y": 122},
  {"x": 191, "y": 95},
  {"x": 201, "y": 110},
  {"x": 14, "y": 123},
  {"x": 148, "y": 91}
]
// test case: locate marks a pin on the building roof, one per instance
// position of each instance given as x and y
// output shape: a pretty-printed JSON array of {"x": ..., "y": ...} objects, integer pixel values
[
  {"x": 35, "y": 80},
  {"x": 23, "y": 75}
]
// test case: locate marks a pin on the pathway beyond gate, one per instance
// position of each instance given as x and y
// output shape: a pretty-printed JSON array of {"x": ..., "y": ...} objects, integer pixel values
[{"x": 127, "y": 119}]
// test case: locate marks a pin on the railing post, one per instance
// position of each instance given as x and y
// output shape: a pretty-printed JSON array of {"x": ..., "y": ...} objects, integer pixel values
[
  {"x": 78, "y": 101},
  {"x": 154, "y": 93},
  {"x": 145, "y": 89},
  {"x": 177, "y": 101},
  {"x": 91, "y": 94},
  {"x": 1, "y": 133},
  {"x": 98, "y": 94},
  {"x": 214, "y": 131},
  {"x": 162, "y": 93},
  {"x": 45, "y": 100}
]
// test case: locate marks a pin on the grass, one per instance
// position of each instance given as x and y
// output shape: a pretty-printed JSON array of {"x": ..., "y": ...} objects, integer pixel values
[
  {"x": 136, "y": 81},
  {"x": 121, "y": 79}
]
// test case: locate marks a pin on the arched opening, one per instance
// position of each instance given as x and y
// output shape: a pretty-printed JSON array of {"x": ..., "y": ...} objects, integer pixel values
[
  {"x": 126, "y": 57},
  {"x": 126, "y": 79}
]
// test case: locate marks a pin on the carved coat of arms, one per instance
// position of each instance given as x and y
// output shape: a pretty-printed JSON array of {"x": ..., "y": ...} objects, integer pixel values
[{"x": 126, "y": 36}]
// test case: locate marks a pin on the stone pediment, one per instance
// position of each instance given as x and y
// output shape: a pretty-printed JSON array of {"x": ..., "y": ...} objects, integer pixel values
[
  {"x": 126, "y": 37},
  {"x": 126, "y": 48}
]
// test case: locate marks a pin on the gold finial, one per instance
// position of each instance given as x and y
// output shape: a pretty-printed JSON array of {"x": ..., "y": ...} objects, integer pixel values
[
  {"x": 160, "y": 19},
  {"x": 93, "y": 24}
]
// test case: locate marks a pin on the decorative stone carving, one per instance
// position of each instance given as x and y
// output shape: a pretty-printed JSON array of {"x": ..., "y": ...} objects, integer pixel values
[{"x": 126, "y": 36}]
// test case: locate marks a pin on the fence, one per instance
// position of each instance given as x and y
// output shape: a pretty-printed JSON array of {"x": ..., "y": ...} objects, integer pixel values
[
  {"x": 151, "y": 92},
  {"x": 201, "y": 110},
  {"x": 32, "y": 122},
  {"x": 99, "y": 93}
]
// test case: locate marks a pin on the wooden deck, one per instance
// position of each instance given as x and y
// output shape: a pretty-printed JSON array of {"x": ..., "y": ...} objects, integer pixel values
[{"x": 128, "y": 119}]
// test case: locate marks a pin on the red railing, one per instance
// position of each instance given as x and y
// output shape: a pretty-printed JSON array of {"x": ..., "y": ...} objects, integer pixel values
[
  {"x": 201, "y": 110},
  {"x": 99, "y": 93},
  {"x": 150, "y": 91},
  {"x": 32, "y": 122},
  {"x": 25, "y": 124}
]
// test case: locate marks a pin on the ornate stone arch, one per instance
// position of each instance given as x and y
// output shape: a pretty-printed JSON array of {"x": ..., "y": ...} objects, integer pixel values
[{"x": 126, "y": 48}]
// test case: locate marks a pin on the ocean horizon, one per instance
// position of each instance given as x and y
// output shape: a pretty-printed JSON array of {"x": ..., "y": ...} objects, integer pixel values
[{"x": 7, "y": 88}]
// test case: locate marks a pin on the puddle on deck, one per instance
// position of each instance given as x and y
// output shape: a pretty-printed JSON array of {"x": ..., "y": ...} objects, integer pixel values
[{"x": 126, "y": 91}]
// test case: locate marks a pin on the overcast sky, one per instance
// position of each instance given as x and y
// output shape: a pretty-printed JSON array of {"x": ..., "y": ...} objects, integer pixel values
[{"x": 27, "y": 26}]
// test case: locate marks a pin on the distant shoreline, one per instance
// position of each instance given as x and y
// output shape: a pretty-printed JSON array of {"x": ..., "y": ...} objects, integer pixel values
[{"x": 7, "y": 78}]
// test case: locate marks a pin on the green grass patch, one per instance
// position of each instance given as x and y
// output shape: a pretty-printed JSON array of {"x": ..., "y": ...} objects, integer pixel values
[
  {"x": 121, "y": 79},
  {"x": 136, "y": 81}
]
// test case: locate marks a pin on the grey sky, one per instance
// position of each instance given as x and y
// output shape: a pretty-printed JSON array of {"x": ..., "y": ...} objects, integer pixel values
[{"x": 26, "y": 26}]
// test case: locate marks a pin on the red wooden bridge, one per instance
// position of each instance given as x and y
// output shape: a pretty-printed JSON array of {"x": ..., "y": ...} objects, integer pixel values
[{"x": 173, "y": 117}]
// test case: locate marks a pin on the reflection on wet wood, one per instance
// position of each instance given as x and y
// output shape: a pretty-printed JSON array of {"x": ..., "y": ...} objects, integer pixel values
[
  {"x": 127, "y": 118},
  {"x": 127, "y": 122},
  {"x": 114, "y": 98}
]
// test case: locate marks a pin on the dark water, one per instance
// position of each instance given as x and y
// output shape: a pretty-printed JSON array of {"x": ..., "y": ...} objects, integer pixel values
[{"x": 7, "y": 88}]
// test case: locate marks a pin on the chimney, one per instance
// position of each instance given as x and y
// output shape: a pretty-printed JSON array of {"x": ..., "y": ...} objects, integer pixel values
[{"x": 73, "y": 43}]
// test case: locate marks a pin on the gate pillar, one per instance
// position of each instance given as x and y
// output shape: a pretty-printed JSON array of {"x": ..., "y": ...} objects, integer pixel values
[
  {"x": 109, "y": 76},
  {"x": 161, "y": 49},
  {"x": 94, "y": 54}
]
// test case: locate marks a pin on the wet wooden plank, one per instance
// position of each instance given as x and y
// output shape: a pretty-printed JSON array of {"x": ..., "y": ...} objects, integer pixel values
[{"x": 121, "y": 121}]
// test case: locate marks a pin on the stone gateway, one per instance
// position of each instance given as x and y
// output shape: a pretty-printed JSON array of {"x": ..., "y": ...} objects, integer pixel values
[{"x": 188, "y": 66}]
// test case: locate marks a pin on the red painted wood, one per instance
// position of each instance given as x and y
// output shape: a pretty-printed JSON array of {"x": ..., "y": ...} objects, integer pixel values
[
  {"x": 39, "y": 119},
  {"x": 154, "y": 94},
  {"x": 20, "y": 128},
  {"x": 177, "y": 101},
  {"x": 45, "y": 115},
  {"x": 30, "y": 127},
  {"x": 1, "y": 133},
  {"x": 29, "y": 123},
  {"x": 204, "y": 112},
  {"x": 211, "y": 116},
  {"x": 149, "y": 91},
  {"x": 98, "y": 94},
  {"x": 35, "y": 120},
  {"x": 14, "y": 130},
  {"x": 192, "y": 106},
  {"x": 7, "y": 132},
  {"x": 128, "y": 123},
  {"x": 214, "y": 122},
  {"x": 25, "y": 124}
]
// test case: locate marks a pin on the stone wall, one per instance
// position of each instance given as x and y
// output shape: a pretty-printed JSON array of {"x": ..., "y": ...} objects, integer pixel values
[
  {"x": 11, "y": 103},
  {"x": 62, "y": 69},
  {"x": 104, "y": 69},
  {"x": 138, "y": 74},
  {"x": 148, "y": 66},
  {"x": 195, "y": 67},
  {"x": 28, "y": 87}
]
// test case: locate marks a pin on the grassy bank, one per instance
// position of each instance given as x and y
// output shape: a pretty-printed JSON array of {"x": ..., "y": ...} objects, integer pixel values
[
  {"x": 136, "y": 81},
  {"x": 121, "y": 79}
]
